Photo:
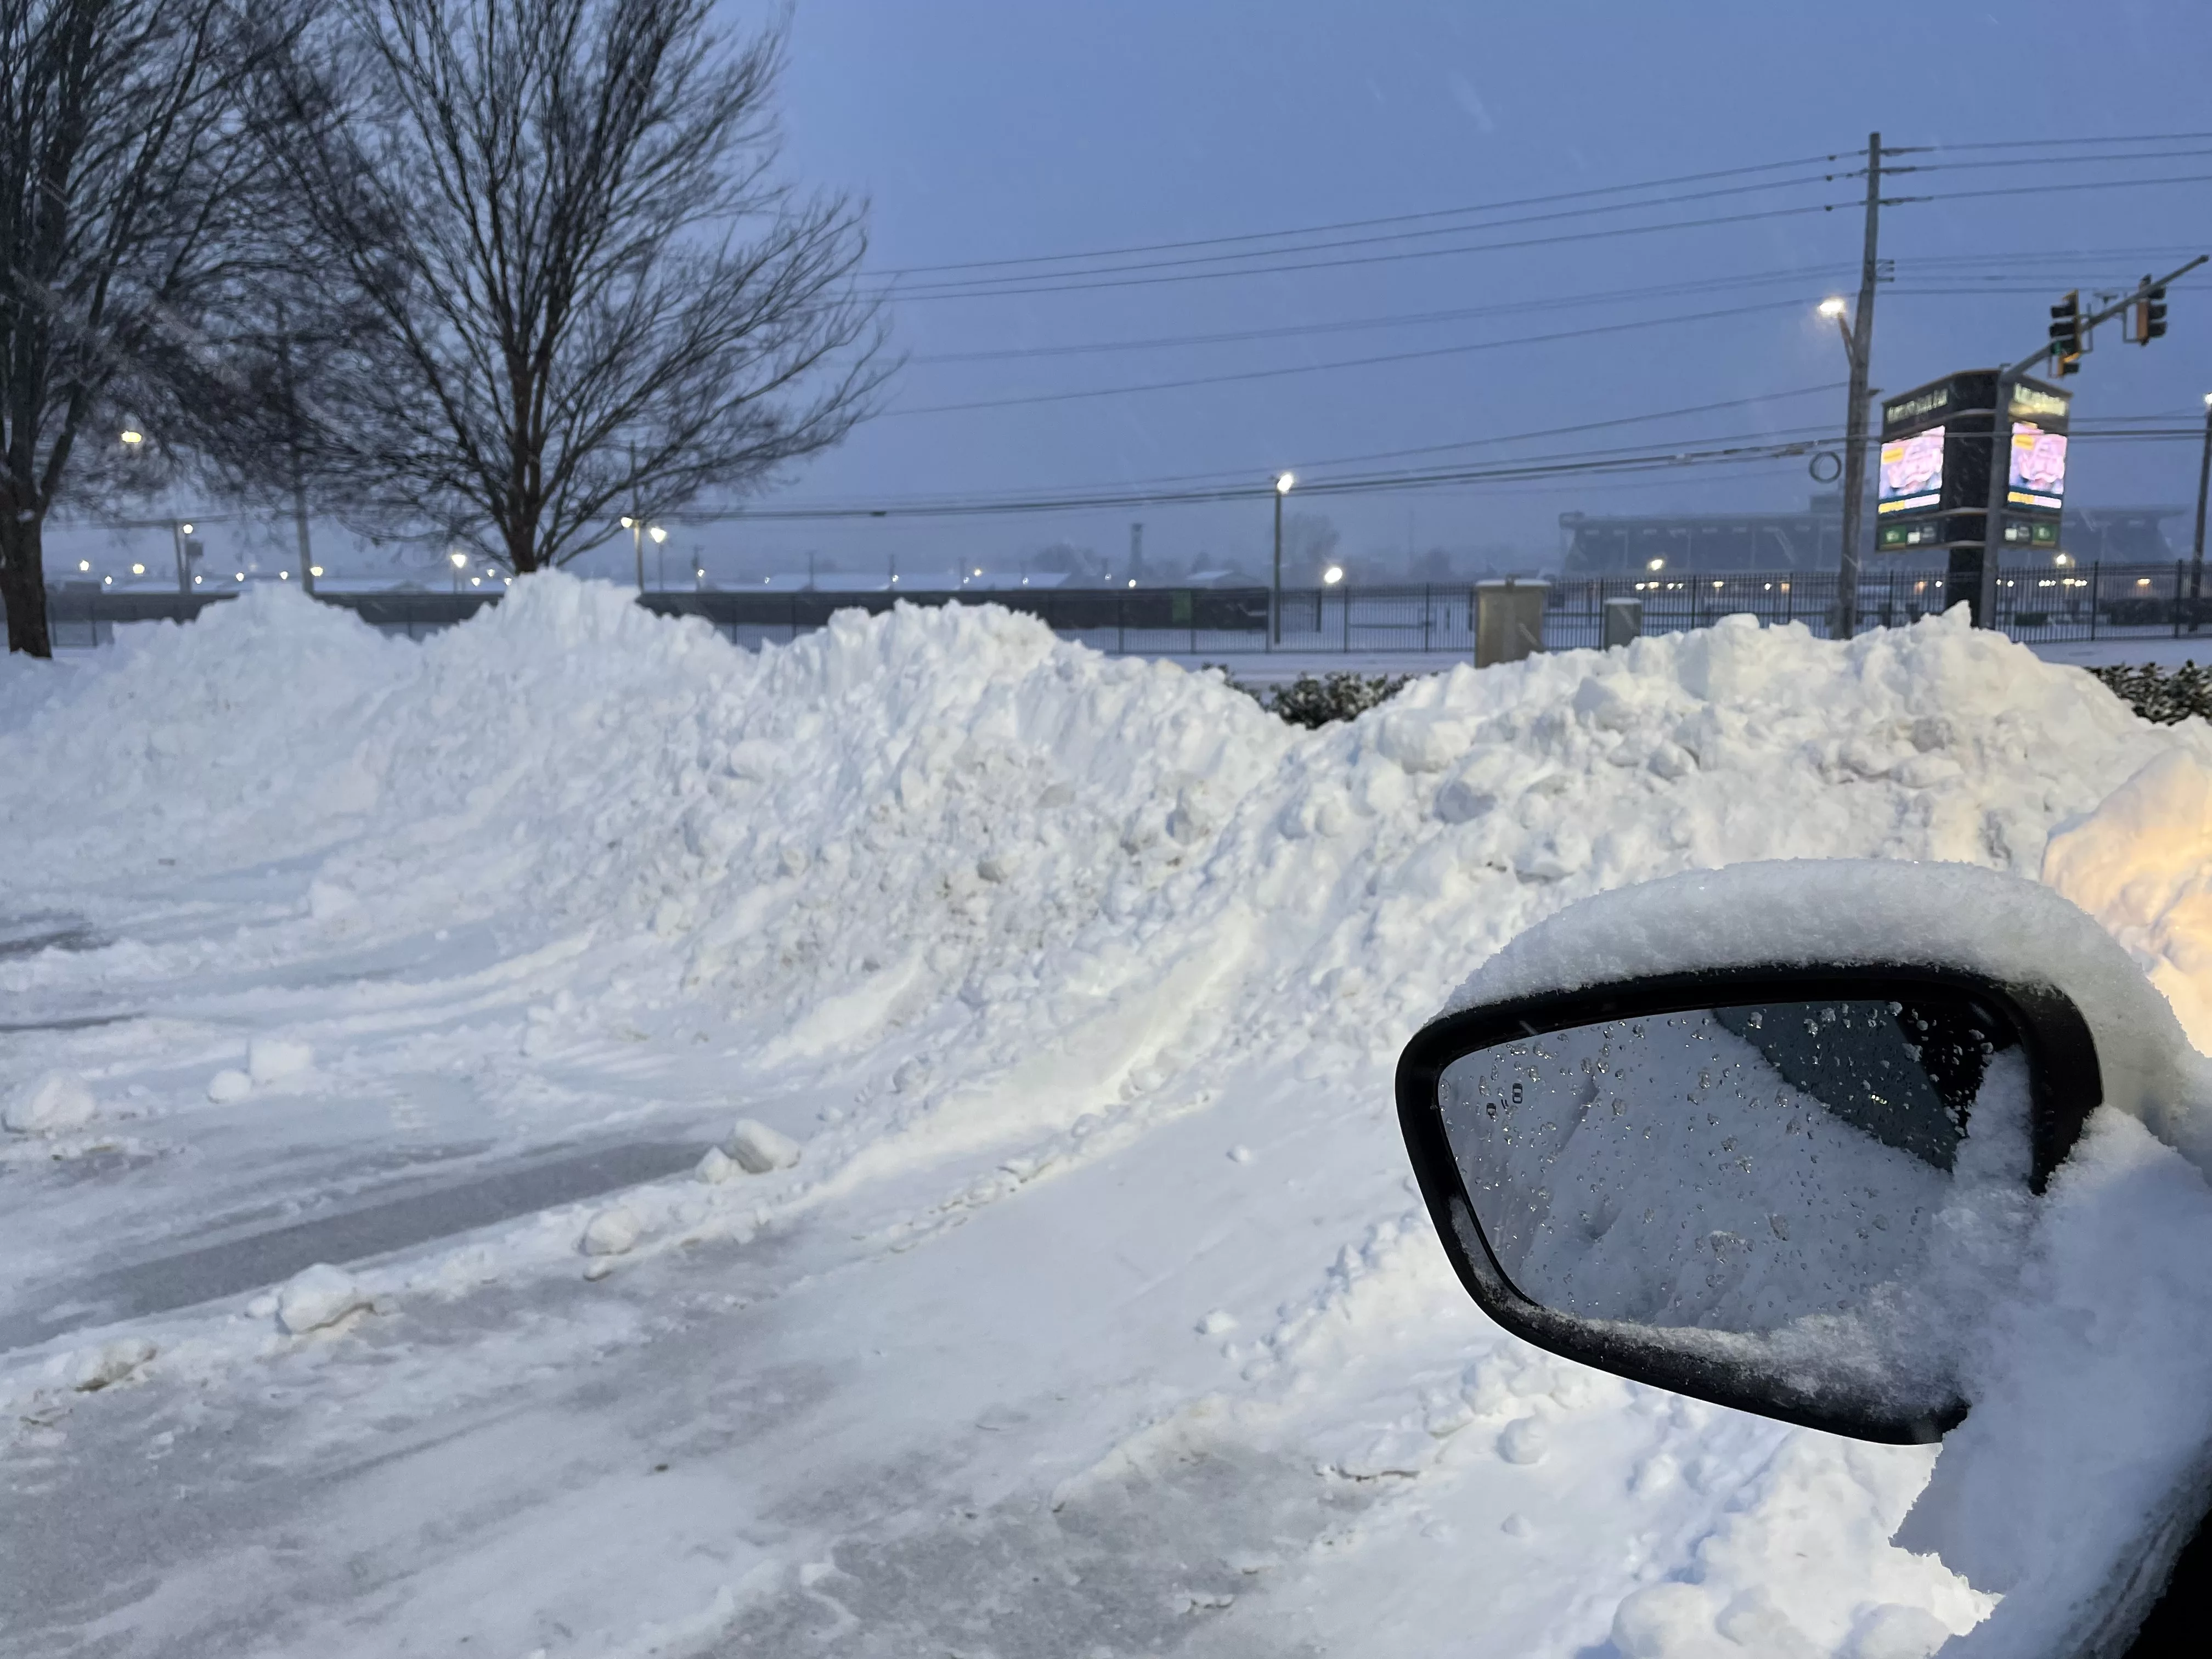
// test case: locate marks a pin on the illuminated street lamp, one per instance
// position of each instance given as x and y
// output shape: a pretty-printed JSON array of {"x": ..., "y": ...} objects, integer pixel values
[
  {"x": 131, "y": 440},
  {"x": 1855, "y": 441},
  {"x": 639, "y": 530},
  {"x": 1283, "y": 483},
  {"x": 460, "y": 561},
  {"x": 1333, "y": 575},
  {"x": 2196, "y": 558}
]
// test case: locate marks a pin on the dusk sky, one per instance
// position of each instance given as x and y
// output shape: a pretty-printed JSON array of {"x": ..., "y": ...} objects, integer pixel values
[
  {"x": 994, "y": 129},
  {"x": 984, "y": 131}
]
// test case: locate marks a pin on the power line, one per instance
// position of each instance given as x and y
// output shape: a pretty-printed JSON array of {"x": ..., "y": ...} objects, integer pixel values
[
  {"x": 1354, "y": 224},
  {"x": 1330, "y": 228},
  {"x": 1075, "y": 286},
  {"x": 991, "y": 284},
  {"x": 2052, "y": 190},
  {"x": 1404, "y": 320},
  {"x": 1343, "y": 363},
  {"x": 2053, "y": 144}
]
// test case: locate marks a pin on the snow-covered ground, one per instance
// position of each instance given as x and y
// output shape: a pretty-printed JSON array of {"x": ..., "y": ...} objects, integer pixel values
[{"x": 1096, "y": 1315}]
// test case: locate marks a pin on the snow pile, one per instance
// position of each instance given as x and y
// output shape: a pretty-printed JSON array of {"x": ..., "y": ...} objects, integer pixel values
[
  {"x": 950, "y": 908},
  {"x": 2142, "y": 864}
]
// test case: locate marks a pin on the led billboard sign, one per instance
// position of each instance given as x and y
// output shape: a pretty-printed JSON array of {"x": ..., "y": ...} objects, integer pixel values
[
  {"x": 1911, "y": 473},
  {"x": 2038, "y": 473}
]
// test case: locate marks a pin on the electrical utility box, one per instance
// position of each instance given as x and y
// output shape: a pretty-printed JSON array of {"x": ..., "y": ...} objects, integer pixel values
[
  {"x": 1509, "y": 620},
  {"x": 1934, "y": 486},
  {"x": 1624, "y": 621}
]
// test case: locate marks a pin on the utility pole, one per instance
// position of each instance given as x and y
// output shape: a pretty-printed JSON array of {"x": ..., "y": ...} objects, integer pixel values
[
  {"x": 1283, "y": 483},
  {"x": 1137, "y": 548},
  {"x": 1986, "y": 608},
  {"x": 299, "y": 468},
  {"x": 1860, "y": 341},
  {"x": 2197, "y": 554}
]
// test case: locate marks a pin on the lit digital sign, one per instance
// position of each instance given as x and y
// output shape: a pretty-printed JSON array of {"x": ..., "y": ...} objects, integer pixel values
[
  {"x": 1912, "y": 472},
  {"x": 2037, "y": 474}
]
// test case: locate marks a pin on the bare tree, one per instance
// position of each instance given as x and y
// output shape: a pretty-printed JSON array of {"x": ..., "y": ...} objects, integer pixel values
[
  {"x": 123, "y": 182},
  {"x": 586, "y": 293}
]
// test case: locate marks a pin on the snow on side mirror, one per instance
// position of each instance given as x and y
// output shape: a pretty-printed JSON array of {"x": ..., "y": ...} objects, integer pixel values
[
  {"x": 1768, "y": 1136},
  {"x": 1740, "y": 1184}
]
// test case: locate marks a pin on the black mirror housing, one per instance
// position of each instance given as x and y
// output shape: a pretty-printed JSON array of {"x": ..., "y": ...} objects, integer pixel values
[{"x": 1627, "y": 1071}]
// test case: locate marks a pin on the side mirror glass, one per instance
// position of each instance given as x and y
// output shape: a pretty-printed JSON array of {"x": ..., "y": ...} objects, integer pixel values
[{"x": 1762, "y": 1187}]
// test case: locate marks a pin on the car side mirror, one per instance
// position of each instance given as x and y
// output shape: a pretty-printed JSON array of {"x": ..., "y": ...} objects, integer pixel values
[{"x": 1755, "y": 1183}]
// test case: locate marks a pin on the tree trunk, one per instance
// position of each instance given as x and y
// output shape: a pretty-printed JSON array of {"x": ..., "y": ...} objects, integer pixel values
[{"x": 23, "y": 585}]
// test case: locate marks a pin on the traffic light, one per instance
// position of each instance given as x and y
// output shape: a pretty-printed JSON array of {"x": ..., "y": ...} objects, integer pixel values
[
  {"x": 2066, "y": 333},
  {"x": 2150, "y": 315}
]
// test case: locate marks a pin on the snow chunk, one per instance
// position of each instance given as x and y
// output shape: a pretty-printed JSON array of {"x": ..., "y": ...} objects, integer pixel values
[
  {"x": 57, "y": 1101},
  {"x": 758, "y": 1148},
  {"x": 717, "y": 1167},
  {"x": 611, "y": 1232},
  {"x": 227, "y": 1085},
  {"x": 318, "y": 1297},
  {"x": 1217, "y": 1323},
  {"x": 271, "y": 1059},
  {"x": 1525, "y": 1440},
  {"x": 1665, "y": 1621},
  {"x": 113, "y": 1363},
  {"x": 2142, "y": 864}
]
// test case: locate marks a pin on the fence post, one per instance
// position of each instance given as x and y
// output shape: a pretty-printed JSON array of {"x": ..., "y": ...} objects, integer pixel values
[
  {"x": 2096, "y": 569},
  {"x": 1347, "y": 621},
  {"x": 1121, "y": 624},
  {"x": 1425, "y": 619},
  {"x": 2177, "y": 599}
]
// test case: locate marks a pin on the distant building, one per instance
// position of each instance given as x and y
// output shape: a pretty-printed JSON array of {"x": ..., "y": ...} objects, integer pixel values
[
  {"x": 1618, "y": 545},
  {"x": 1622, "y": 545},
  {"x": 2122, "y": 535}
]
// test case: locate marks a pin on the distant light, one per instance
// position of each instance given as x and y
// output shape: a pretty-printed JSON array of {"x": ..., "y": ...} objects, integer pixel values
[
  {"x": 2062, "y": 559},
  {"x": 109, "y": 581},
  {"x": 979, "y": 569},
  {"x": 629, "y": 524},
  {"x": 133, "y": 439},
  {"x": 1832, "y": 307},
  {"x": 1333, "y": 575},
  {"x": 1656, "y": 564},
  {"x": 1133, "y": 581},
  {"x": 1283, "y": 483},
  {"x": 314, "y": 570},
  {"x": 283, "y": 575},
  {"x": 197, "y": 580},
  {"x": 459, "y": 559},
  {"x": 1720, "y": 584},
  {"x": 476, "y": 581},
  {"x": 241, "y": 575},
  {"x": 2207, "y": 400},
  {"x": 84, "y": 564},
  {"x": 187, "y": 528},
  {"x": 658, "y": 533},
  {"x": 137, "y": 569},
  {"x": 894, "y": 578}
]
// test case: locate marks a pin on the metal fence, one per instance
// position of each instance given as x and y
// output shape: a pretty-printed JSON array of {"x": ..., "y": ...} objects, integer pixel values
[{"x": 2049, "y": 603}]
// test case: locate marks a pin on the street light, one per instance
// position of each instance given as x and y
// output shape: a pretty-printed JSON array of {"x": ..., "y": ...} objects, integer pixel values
[
  {"x": 1854, "y": 445},
  {"x": 1333, "y": 575},
  {"x": 131, "y": 440},
  {"x": 458, "y": 559},
  {"x": 639, "y": 530},
  {"x": 2196, "y": 558},
  {"x": 1283, "y": 483}
]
